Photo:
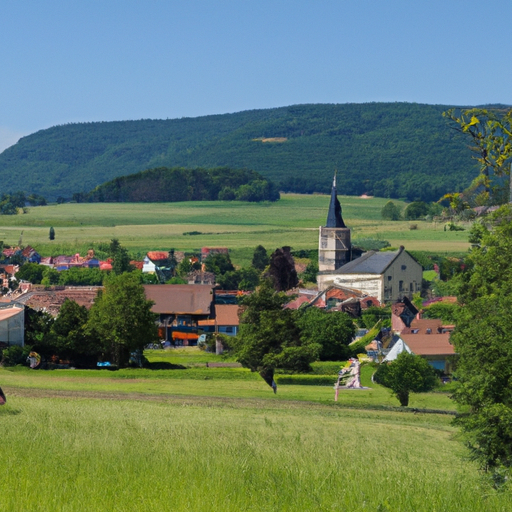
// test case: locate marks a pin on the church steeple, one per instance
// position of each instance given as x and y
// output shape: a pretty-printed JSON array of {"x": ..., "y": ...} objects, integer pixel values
[
  {"x": 334, "y": 218},
  {"x": 334, "y": 247}
]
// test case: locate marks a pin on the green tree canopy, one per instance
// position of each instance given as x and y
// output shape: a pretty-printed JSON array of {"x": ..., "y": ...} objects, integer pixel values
[
  {"x": 483, "y": 341},
  {"x": 219, "y": 264},
  {"x": 490, "y": 134},
  {"x": 282, "y": 271},
  {"x": 333, "y": 330},
  {"x": 269, "y": 337},
  {"x": 390, "y": 211},
  {"x": 31, "y": 272},
  {"x": 122, "y": 318},
  {"x": 406, "y": 374},
  {"x": 120, "y": 256},
  {"x": 416, "y": 210},
  {"x": 70, "y": 337},
  {"x": 260, "y": 258}
]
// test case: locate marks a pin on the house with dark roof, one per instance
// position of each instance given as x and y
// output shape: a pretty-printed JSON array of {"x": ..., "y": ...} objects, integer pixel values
[
  {"x": 388, "y": 275},
  {"x": 180, "y": 308}
]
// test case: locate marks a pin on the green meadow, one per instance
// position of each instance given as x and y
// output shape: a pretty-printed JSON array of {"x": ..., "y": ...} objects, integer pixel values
[
  {"x": 293, "y": 221},
  {"x": 217, "y": 438}
]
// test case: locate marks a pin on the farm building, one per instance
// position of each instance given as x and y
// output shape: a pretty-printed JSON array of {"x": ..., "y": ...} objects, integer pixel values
[{"x": 180, "y": 308}]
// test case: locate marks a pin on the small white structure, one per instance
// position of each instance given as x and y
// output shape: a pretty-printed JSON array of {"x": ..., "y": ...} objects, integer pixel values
[
  {"x": 12, "y": 324},
  {"x": 399, "y": 347},
  {"x": 148, "y": 266}
]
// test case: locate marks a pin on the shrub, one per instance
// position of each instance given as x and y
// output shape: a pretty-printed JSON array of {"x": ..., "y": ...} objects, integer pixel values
[
  {"x": 14, "y": 355},
  {"x": 391, "y": 211},
  {"x": 406, "y": 374}
]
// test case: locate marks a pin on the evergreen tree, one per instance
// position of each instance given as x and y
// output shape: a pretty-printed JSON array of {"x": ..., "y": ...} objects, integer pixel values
[
  {"x": 260, "y": 258},
  {"x": 51, "y": 235}
]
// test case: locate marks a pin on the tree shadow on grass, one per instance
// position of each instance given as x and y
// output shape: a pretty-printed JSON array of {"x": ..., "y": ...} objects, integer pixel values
[{"x": 163, "y": 365}]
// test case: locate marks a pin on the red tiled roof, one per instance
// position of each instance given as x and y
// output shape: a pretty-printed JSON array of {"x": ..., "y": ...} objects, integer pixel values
[
  {"x": 52, "y": 300},
  {"x": 366, "y": 302},
  {"x": 426, "y": 323},
  {"x": 297, "y": 303},
  {"x": 429, "y": 344},
  {"x": 137, "y": 264},
  {"x": 227, "y": 314},
  {"x": 158, "y": 255}
]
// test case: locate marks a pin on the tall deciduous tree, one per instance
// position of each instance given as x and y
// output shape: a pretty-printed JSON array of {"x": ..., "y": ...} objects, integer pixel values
[
  {"x": 122, "y": 317},
  {"x": 333, "y": 330},
  {"x": 70, "y": 337},
  {"x": 269, "y": 337},
  {"x": 483, "y": 340}
]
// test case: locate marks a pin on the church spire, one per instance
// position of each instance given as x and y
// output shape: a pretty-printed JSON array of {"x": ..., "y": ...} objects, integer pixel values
[{"x": 334, "y": 218}]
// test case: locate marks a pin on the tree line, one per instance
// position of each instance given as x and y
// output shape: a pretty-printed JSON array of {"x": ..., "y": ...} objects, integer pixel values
[{"x": 180, "y": 184}]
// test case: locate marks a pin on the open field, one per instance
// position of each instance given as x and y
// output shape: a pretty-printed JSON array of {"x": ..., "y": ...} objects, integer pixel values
[
  {"x": 293, "y": 220},
  {"x": 218, "y": 439}
]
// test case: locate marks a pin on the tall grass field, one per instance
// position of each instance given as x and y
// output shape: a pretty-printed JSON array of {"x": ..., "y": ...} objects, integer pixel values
[{"x": 217, "y": 438}]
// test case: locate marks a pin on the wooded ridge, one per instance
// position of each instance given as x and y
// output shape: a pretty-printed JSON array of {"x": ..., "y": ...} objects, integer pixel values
[{"x": 386, "y": 149}]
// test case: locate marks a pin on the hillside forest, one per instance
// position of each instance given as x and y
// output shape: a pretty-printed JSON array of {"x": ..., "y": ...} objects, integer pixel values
[{"x": 395, "y": 150}]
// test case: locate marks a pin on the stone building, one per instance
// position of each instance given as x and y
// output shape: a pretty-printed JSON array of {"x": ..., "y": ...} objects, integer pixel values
[{"x": 387, "y": 275}]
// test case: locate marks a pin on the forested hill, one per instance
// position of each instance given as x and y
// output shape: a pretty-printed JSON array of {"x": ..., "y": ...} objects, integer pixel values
[
  {"x": 385, "y": 149},
  {"x": 164, "y": 185}
]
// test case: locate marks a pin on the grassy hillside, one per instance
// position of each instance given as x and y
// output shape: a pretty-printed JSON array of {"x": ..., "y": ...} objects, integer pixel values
[
  {"x": 385, "y": 149},
  {"x": 293, "y": 221},
  {"x": 219, "y": 439}
]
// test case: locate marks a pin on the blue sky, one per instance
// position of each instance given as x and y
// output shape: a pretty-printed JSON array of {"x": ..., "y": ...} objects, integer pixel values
[{"x": 65, "y": 61}]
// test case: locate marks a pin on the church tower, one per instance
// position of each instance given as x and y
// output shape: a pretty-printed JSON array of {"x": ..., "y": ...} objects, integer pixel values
[{"x": 334, "y": 247}]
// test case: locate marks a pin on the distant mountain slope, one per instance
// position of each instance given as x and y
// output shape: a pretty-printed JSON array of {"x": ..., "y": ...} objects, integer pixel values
[{"x": 386, "y": 149}]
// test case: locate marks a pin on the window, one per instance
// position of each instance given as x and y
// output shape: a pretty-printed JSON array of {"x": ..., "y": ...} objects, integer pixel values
[
  {"x": 389, "y": 278},
  {"x": 404, "y": 267},
  {"x": 400, "y": 286}
]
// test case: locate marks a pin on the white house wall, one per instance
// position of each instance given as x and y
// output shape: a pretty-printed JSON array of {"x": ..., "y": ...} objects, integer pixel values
[{"x": 12, "y": 330}]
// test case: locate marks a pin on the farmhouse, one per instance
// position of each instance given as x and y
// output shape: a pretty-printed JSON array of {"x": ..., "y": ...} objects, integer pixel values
[{"x": 180, "y": 308}]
